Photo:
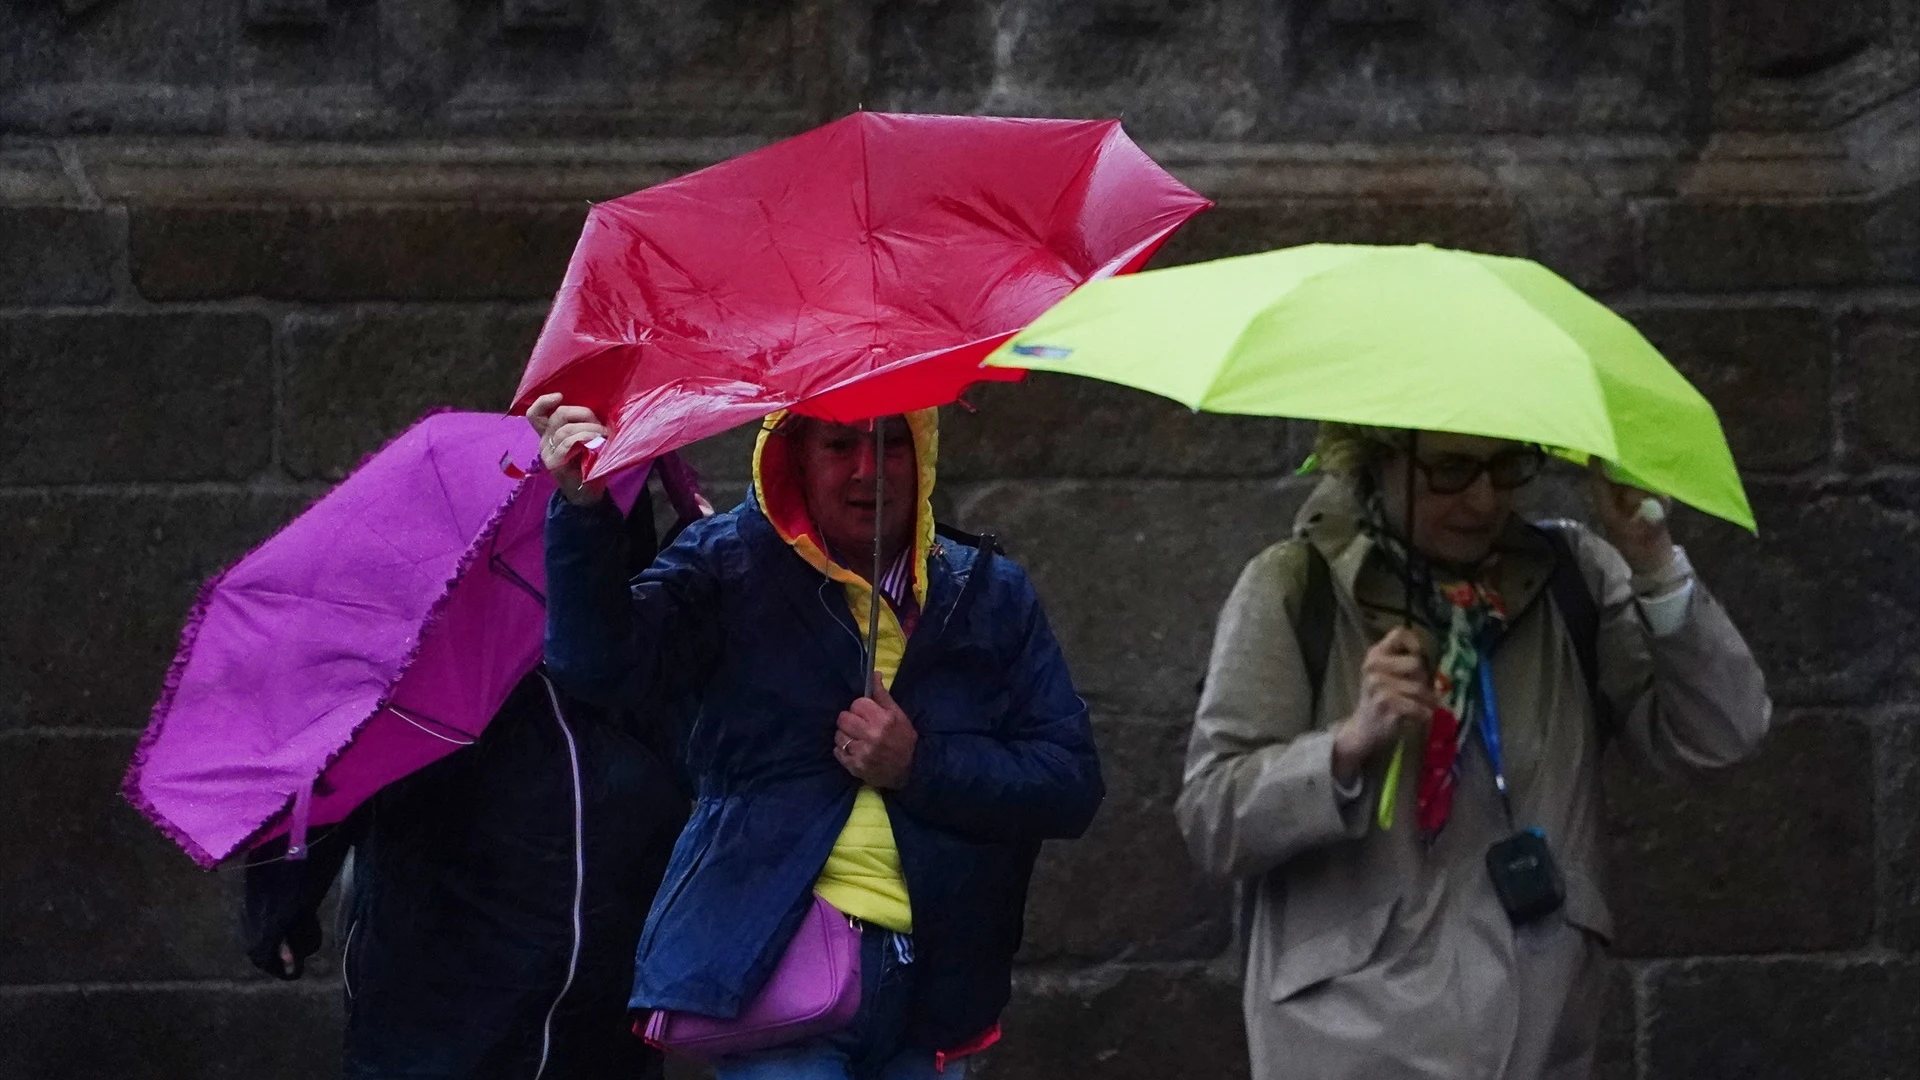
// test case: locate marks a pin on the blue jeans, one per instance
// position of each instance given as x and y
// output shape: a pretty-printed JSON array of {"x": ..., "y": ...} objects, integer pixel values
[{"x": 869, "y": 1048}]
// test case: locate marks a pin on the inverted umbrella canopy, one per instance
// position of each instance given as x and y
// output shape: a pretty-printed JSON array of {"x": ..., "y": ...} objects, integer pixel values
[
  {"x": 1411, "y": 337},
  {"x": 862, "y": 268},
  {"x": 376, "y": 633}
]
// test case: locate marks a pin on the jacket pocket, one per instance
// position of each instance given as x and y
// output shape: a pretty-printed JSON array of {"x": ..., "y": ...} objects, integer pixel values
[{"x": 1339, "y": 950}]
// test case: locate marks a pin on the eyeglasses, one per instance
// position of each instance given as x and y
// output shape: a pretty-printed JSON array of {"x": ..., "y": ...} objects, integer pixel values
[{"x": 1451, "y": 474}]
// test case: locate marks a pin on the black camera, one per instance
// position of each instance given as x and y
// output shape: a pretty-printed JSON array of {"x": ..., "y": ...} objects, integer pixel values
[{"x": 1525, "y": 877}]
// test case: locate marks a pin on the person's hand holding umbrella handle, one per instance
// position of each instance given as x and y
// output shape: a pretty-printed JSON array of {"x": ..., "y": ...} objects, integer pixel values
[
  {"x": 1634, "y": 521},
  {"x": 1396, "y": 689},
  {"x": 564, "y": 431},
  {"x": 874, "y": 740}
]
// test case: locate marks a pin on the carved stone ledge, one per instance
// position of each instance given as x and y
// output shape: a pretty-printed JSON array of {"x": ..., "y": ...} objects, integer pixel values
[{"x": 1586, "y": 169}]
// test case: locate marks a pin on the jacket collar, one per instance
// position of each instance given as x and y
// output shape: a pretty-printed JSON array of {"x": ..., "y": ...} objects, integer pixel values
[{"x": 814, "y": 595}]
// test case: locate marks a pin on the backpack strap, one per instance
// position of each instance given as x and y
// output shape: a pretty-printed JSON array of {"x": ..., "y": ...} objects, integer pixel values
[
  {"x": 1581, "y": 616},
  {"x": 1311, "y": 613}
]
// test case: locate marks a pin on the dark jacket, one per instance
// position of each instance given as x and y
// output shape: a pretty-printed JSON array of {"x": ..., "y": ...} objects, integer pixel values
[
  {"x": 498, "y": 895},
  {"x": 768, "y": 651}
]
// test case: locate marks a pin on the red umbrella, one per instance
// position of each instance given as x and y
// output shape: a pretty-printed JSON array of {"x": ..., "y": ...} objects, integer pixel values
[{"x": 860, "y": 269}]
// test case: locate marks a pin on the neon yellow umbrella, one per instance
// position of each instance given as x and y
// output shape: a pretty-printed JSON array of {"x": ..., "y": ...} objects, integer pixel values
[{"x": 1409, "y": 337}]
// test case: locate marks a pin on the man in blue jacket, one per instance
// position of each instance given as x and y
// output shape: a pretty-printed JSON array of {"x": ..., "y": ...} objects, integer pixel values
[{"x": 915, "y": 804}]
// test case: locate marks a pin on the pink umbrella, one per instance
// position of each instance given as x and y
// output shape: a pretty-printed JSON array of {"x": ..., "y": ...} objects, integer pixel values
[{"x": 377, "y": 633}]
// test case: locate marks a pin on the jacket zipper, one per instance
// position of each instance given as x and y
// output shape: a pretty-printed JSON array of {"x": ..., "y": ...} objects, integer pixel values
[
  {"x": 346, "y": 959},
  {"x": 579, "y": 878}
]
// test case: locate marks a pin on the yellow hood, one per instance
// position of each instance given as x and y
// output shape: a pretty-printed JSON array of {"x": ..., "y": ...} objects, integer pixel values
[{"x": 776, "y": 486}]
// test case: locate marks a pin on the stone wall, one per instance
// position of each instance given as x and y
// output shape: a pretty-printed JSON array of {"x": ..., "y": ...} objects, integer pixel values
[{"x": 243, "y": 241}]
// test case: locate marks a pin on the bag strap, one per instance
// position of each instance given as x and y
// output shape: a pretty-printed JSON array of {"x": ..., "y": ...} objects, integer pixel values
[{"x": 1581, "y": 616}]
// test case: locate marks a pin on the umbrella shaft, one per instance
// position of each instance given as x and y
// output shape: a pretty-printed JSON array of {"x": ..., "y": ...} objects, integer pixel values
[
  {"x": 1413, "y": 450},
  {"x": 879, "y": 515}
]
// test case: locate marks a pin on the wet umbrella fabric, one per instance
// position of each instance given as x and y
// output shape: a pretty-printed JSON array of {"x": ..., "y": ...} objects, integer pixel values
[
  {"x": 861, "y": 269},
  {"x": 378, "y": 632}
]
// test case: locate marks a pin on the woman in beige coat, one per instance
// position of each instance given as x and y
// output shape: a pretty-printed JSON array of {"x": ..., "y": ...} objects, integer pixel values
[{"x": 1376, "y": 943}]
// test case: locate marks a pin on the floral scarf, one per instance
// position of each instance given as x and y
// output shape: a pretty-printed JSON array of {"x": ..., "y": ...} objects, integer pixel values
[{"x": 1467, "y": 616}]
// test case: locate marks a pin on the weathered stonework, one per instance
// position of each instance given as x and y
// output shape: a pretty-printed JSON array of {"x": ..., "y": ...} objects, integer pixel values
[{"x": 242, "y": 242}]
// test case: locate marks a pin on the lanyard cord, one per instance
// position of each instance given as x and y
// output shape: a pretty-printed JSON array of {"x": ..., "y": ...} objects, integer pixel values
[{"x": 1490, "y": 735}]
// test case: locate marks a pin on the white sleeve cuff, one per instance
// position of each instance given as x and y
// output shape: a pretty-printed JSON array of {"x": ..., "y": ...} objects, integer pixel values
[
  {"x": 1345, "y": 794},
  {"x": 1665, "y": 598}
]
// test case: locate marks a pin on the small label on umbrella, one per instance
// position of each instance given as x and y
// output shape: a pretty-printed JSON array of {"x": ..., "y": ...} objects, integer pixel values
[{"x": 1043, "y": 352}]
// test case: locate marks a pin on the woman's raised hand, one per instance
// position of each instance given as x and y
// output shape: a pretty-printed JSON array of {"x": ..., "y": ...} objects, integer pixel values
[
  {"x": 1634, "y": 521},
  {"x": 563, "y": 429}
]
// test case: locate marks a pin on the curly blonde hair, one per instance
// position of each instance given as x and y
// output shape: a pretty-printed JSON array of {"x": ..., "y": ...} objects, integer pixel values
[{"x": 1352, "y": 450}]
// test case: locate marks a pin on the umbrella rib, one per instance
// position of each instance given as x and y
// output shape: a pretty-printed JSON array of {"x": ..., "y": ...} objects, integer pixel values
[
  {"x": 1588, "y": 369},
  {"x": 873, "y": 254},
  {"x": 1213, "y": 380}
]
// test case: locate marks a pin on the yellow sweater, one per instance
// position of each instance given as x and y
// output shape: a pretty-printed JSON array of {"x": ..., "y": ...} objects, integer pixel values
[{"x": 862, "y": 876}]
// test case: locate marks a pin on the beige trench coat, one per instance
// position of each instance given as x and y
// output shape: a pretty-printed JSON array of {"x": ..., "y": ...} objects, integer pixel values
[{"x": 1367, "y": 956}]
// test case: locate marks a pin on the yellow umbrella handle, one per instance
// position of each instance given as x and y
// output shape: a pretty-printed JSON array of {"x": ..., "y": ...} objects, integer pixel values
[{"x": 1390, "y": 787}]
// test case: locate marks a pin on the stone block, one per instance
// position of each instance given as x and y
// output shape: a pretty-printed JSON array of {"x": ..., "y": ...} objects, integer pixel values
[
  {"x": 121, "y": 68},
  {"x": 1828, "y": 594},
  {"x": 178, "y": 42},
  {"x": 1783, "y": 39},
  {"x": 1898, "y": 833},
  {"x": 1126, "y": 890},
  {"x": 1590, "y": 243},
  {"x": 1767, "y": 370},
  {"x": 1783, "y": 1020},
  {"x": 1781, "y": 65},
  {"x": 931, "y": 52},
  {"x": 172, "y": 1032},
  {"x": 650, "y": 67},
  {"x": 1775, "y": 855},
  {"x": 357, "y": 252},
  {"x": 96, "y": 586},
  {"x": 1121, "y": 1023},
  {"x": 1133, "y": 574},
  {"x": 94, "y": 892},
  {"x": 309, "y": 69},
  {"x": 1716, "y": 245},
  {"x": 354, "y": 381},
  {"x": 286, "y": 14},
  {"x": 55, "y": 255},
  {"x": 1174, "y": 71},
  {"x": 1244, "y": 228},
  {"x": 1614, "y": 1054},
  {"x": 1063, "y": 426},
  {"x": 1416, "y": 68},
  {"x": 32, "y": 173},
  {"x": 161, "y": 397},
  {"x": 1882, "y": 351}
]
